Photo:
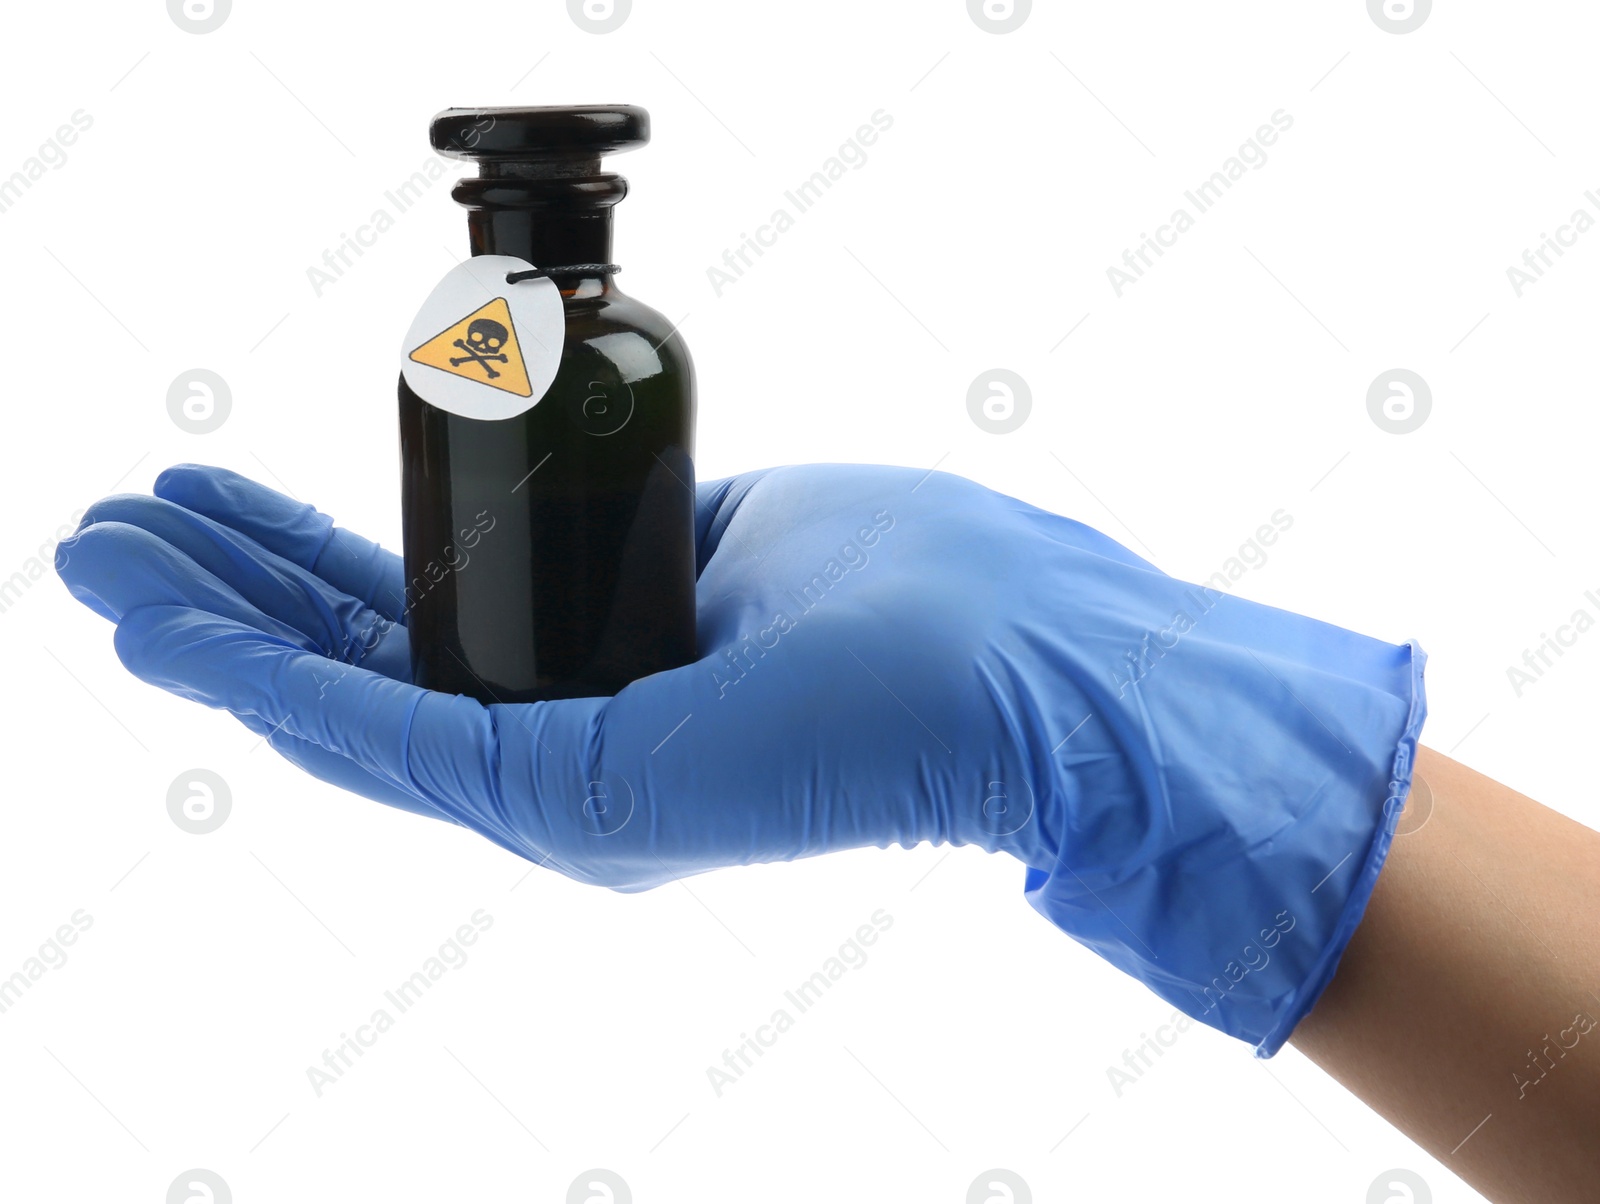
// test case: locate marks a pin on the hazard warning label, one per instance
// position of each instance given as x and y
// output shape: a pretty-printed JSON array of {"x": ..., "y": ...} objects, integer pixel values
[
  {"x": 483, "y": 347},
  {"x": 486, "y": 343}
]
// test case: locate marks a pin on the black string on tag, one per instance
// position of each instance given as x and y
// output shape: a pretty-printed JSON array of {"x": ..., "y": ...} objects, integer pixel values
[{"x": 533, "y": 273}]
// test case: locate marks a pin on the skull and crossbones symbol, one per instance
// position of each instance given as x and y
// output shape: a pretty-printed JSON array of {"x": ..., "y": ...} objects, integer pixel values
[{"x": 483, "y": 343}]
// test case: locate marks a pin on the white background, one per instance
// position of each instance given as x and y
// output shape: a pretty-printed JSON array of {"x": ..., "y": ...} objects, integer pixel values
[{"x": 1228, "y": 383}]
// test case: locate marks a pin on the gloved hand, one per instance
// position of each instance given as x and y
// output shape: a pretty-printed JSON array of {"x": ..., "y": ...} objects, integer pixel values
[{"x": 1203, "y": 788}]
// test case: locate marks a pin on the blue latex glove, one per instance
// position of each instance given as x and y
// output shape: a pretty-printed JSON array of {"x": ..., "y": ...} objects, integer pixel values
[{"x": 1203, "y": 788}]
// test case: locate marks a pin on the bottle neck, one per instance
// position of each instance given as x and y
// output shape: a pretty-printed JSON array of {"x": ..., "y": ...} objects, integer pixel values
[{"x": 550, "y": 222}]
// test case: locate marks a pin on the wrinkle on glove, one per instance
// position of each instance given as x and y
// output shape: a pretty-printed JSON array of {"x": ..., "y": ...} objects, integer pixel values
[{"x": 1226, "y": 864}]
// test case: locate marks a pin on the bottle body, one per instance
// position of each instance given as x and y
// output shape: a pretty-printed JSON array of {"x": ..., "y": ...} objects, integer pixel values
[{"x": 552, "y": 554}]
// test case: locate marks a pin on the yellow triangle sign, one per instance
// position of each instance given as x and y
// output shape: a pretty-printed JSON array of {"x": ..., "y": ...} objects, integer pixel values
[{"x": 481, "y": 347}]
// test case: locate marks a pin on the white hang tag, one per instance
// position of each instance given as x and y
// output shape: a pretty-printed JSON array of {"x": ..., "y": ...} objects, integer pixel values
[{"x": 482, "y": 348}]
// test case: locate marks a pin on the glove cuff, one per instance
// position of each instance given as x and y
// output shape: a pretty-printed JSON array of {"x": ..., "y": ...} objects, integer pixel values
[
  {"x": 1360, "y": 891},
  {"x": 1230, "y": 879}
]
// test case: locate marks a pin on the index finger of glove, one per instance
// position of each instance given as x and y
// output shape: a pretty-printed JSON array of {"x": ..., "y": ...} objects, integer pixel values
[
  {"x": 439, "y": 748},
  {"x": 294, "y": 530},
  {"x": 186, "y": 557}
]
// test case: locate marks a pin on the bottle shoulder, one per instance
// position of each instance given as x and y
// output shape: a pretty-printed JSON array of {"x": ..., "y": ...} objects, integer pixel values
[
  {"x": 615, "y": 310},
  {"x": 641, "y": 340},
  {"x": 615, "y": 340}
]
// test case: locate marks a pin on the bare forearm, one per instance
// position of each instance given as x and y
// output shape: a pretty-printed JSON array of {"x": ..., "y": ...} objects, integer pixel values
[{"x": 1463, "y": 1008}]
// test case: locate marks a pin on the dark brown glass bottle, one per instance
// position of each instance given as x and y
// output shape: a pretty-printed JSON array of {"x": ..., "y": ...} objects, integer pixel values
[{"x": 552, "y": 555}]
